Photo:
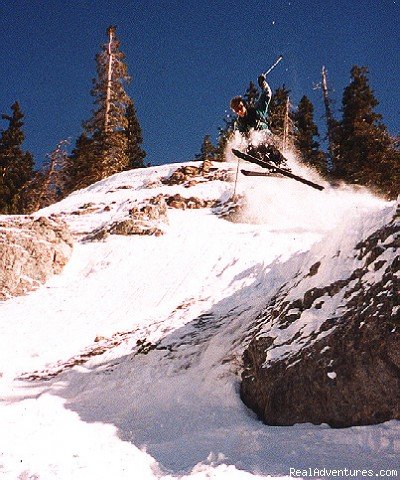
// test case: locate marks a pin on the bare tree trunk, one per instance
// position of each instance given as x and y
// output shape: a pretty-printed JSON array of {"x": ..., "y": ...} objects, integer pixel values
[
  {"x": 330, "y": 122},
  {"x": 46, "y": 192},
  {"x": 286, "y": 127},
  {"x": 39, "y": 195},
  {"x": 109, "y": 77}
]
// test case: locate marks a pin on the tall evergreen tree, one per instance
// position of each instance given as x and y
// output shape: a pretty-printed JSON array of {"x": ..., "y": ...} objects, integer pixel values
[
  {"x": 305, "y": 135},
  {"x": 252, "y": 94},
  {"x": 16, "y": 166},
  {"x": 366, "y": 154},
  {"x": 136, "y": 154},
  {"x": 389, "y": 173},
  {"x": 112, "y": 137},
  {"x": 208, "y": 151},
  {"x": 109, "y": 120},
  {"x": 277, "y": 110},
  {"x": 81, "y": 165},
  {"x": 111, "y": 99}
]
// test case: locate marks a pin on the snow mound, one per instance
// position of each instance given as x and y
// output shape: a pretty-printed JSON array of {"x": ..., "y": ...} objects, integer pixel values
[{"x": 142, "y": 336}]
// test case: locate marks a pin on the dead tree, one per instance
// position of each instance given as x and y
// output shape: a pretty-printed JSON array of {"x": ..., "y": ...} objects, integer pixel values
[{"x": 330, "y": 121}]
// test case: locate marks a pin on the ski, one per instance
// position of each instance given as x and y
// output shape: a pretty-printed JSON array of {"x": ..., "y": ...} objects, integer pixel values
[
  {"x": 271, "y": 166},
  {"x": 250, "y": 173}
]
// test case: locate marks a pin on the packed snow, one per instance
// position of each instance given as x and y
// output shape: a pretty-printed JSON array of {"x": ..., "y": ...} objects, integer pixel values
[{"x": 127, "y": 365}]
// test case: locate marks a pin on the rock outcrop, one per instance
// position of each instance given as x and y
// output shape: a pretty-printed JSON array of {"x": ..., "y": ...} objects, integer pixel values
[
  {"x": 31, "y": 250},
  {"x": 190, "y": 175},
  {"x": 183, "y": 203},
  {"x": 332, "y": 355},
  {"x": 146, "y": 218}
]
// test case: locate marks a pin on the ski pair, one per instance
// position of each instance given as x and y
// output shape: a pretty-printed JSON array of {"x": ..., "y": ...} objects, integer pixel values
[{"x": 274, "y": 168}]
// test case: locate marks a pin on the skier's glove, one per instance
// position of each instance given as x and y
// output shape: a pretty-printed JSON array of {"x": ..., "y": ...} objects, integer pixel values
[{"x": 262, "y": 82}]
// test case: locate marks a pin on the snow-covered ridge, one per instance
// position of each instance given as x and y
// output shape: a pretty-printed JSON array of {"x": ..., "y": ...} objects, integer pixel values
[
  {"x": 153, "y": 271},
  {"x": 170, "y": 316}
]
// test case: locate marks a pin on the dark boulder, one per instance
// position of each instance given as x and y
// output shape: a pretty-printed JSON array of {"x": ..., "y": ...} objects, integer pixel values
[{"x": 346, "y": 371}]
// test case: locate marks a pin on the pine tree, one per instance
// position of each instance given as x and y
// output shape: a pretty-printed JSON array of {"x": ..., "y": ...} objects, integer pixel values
[
  {"x": 305, "y": 135},
  {"x": 252, "y": 94},
  {"x": 225, "y": 133},
  {"x": 109, "y": 121},
  {"x": 366, "y": 153},
  {"x": 81, "y": 164},
  {"x": 136, "y": 154},
  {"x": 16, "y": 166},
  {"x": 385, "y": 172},
  {"x": 277, "y": 110},
  {"x": 108, "y": 89},
  {"x": 389, "y": 173},
  {"x": 207, "y": 151},
  {"x": 112, "y": 137}
]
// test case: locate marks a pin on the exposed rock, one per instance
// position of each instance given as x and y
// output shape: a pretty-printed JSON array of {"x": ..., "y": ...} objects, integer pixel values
[
  {"x": 190, "y": 175},
  {"x": 347, "y": 370},
  {"x": 143, "y": 219},
  {"x": 177, "y": 201},
  {"x": 132, "y": 226},
  {"x": 31, "y": 250},
  {"x": 181, "y": 175},
  {"x": 314, "y": 269},
  {"x": 206, "y": 166},
  {"x": 154, "y": 209},
  {"x": 151, "y": 183},
  {"x": 120, "y": 187},
  {"x": 85, "y": 211}
]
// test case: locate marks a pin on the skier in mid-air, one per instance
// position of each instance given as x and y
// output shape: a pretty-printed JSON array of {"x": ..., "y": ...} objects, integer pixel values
[
  {"x": 264, "y": 152},
  {"x": 250, "y": 117},
  {"x": 256, "y": 118}
]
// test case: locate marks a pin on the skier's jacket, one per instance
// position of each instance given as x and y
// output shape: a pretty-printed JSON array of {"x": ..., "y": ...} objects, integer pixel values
[{"x": 257, "y": 116}]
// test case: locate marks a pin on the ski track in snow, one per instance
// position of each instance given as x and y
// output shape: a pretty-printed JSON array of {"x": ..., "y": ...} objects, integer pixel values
[{"x": 168, "y": 406}]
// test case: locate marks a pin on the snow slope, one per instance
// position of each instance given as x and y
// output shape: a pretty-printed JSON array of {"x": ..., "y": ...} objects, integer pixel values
[{"x": 127, "y": 364}]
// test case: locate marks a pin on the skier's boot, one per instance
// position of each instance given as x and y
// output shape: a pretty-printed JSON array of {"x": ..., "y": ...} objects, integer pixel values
[
  {"x": 269, "y": 153},
  {"x": 258, "y": 151},
  {"x": 276, "y": 157}
]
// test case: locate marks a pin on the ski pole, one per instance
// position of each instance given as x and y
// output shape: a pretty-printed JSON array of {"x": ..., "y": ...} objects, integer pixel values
[{"x": 280, "y": 57}]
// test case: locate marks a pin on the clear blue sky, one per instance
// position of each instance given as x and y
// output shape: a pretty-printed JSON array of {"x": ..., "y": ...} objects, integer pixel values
[{"x": 187, "y": 59}]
